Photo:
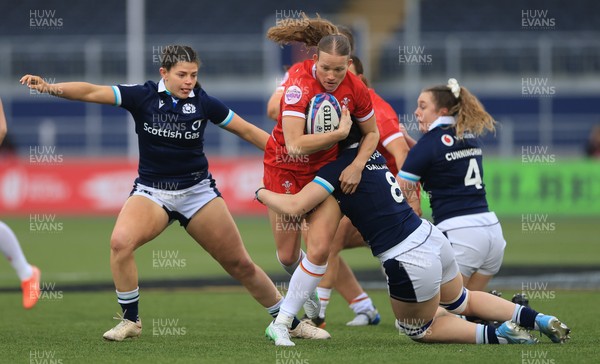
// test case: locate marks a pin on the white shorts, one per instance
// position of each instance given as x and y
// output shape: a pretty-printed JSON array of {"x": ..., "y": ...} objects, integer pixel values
[
  {"x": 180, "y": 205},
  {"x": 477, "y": 241},
  {"x": 419, "y": 265}
]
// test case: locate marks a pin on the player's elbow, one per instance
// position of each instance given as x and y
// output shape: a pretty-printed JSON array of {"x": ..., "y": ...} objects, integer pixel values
[{"x": 273, "y": 112}]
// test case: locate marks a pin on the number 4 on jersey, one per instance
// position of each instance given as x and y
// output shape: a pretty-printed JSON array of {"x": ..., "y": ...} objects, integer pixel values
[{"x": 473, "y": 177}]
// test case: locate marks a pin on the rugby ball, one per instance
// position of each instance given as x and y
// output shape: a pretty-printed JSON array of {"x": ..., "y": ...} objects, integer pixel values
[{"x": 323, "y": 114}]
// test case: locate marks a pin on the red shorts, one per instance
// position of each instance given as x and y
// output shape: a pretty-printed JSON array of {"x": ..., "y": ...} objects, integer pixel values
[{"x": 284, "y": 173}]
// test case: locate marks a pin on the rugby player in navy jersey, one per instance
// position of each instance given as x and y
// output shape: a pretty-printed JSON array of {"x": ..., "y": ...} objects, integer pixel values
[
  {"x": 418, "y": 260},
  {"x": 447, "y": 160},
  {"x": 174, "y": 180}
]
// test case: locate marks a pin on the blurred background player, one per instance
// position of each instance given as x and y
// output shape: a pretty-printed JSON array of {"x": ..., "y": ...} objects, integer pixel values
[
  {"x": 345, "y": 280},
  {"x": 419, "y": 263},
  {"x": 293, "y": 158},
  {"x": 28, "y": 274},
  {"x": 592, "y": 146},
  {"x": 447, "y": 160},
  {"x": 174, "y": 182}
]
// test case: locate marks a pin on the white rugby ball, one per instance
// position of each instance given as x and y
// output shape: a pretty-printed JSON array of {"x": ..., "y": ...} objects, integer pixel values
[{"x": 323, "y": 114}]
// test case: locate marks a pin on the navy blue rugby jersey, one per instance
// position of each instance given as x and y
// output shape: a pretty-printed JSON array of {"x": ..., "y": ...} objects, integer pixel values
[
  {"x": 450, "y": 170},
  {"x": 377, "y": 208},
  {"x": 171, "y": 132}
]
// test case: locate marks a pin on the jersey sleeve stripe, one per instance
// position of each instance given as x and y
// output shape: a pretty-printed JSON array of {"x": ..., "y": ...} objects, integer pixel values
[
  {"x": 117, "y": 93},
  {"x": 227, "y": 120},
  {"x": 360, "y": 120},
  {"x": 323, "y": 183},
  {"x": 293, "y": 113},
  {"x": 392, "y": 137},
  {"x": 409, "y": 176}
]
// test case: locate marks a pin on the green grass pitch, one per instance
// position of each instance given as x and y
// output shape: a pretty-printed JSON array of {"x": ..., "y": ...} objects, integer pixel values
[{"x": 227, "y": 326}]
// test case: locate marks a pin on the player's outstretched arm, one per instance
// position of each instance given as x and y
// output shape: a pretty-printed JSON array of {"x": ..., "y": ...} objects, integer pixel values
[
  {"x": 248, "y": 131},
  {"x": 410, "y": 191},
  {"x": 78, "y": 91},
  {"x": 299, "y": 204},
  {"x": 399, "y": 149},
  {"x": 351, "y": 175}
]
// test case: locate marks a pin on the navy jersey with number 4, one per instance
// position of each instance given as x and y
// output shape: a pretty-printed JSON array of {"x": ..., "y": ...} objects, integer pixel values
[
  {"x": 171, "y": 132},
  {"x": 377, "y": 208},
  {"x": 450, "y": 170}
]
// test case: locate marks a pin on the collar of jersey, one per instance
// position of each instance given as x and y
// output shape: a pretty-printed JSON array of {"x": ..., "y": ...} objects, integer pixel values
[
  {"x": 163, "y": 88},
  {"x": 442, "y": 120}
]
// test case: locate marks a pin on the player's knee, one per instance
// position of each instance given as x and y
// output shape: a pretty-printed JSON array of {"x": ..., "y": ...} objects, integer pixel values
[
  {"x": 318, "y": 254},
  {"x": 121, "y": 244},
  {"x": 459, "y": 304},
  {"x": 288, "y": 258},
  {"x": 416, "y": 330},
  {"x": 241, "y": 268}
]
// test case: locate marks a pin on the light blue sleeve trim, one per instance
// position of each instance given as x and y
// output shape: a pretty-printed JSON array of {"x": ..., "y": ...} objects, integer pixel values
[
  {"x": 117, "y": 93},
  {"x": 227, "y": 120},
  {"x": 409, "y": 176},
  {"x": 323, "y": 183}
]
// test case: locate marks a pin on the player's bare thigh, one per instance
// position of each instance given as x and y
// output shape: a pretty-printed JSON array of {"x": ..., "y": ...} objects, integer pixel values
[
  {"x": 139, "y": 221},
  {"x": 215, "y": 230},
  {"x": 322, "y": 225}
]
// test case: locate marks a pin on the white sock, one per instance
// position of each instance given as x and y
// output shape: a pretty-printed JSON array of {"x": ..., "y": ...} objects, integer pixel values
[
  {"x": 12, "y": 250},
  {"x": 324, "y": 295},
  {"x": 292, "y": 268},
  {"x": 304, "y": 281},
  {"x": 362, "y": 303}
]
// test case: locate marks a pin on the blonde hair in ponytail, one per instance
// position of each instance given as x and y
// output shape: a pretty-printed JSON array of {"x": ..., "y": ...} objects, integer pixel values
[{"x": 468, "y": 111}]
